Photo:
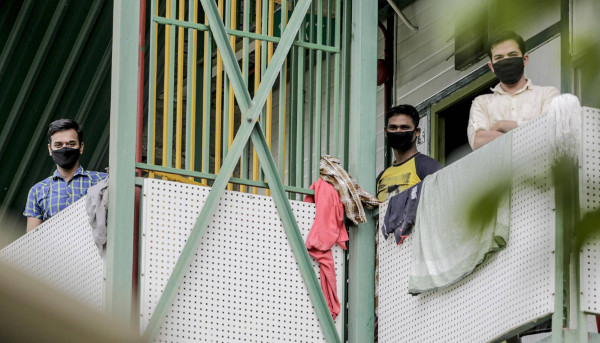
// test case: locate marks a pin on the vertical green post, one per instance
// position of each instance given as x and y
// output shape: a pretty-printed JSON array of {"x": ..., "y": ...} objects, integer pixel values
[
  {"x": 119, "y": 249},
  {"x": 361, "y": 285}
]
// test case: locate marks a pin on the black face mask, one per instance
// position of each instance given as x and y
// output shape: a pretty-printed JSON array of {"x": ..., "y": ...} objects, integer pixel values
[
  {"x": 65, "y": 157},
  {"x": 401, "y": 140},
  {"x": 509, "y": 70}
]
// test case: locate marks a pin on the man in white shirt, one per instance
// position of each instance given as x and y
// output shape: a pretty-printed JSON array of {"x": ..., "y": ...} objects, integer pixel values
[{"x": 514, "y": 101}]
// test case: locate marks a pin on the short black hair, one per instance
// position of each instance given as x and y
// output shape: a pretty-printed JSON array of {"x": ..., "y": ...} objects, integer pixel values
[
  {"x": 503, "y": 37},
  {"x": 405, "y": 109},
  {"x": 64, "y": 124}
]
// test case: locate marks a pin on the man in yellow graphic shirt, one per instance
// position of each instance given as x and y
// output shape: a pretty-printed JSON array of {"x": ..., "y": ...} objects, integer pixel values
[{"x": 410, "y": 166}]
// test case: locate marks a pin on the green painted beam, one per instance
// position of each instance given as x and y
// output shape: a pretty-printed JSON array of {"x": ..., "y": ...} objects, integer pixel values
[
  {"x": 310, "y": 97},
  {"x": 206, "y": 131},
  {"x": 294, "y": 237},
  {"x": 345, "y": 81},
  {"x": 363, "y": 109},
  {"x": 32, "y": 74},
  {"x": 282, "y": 100},
  {"x": 251, "y": 109},
  {"x": 15, "y": 34},
  {"x": 59, "y": 88},
  {"x": 246, "y": 75},
  {"x": 318, "y": 90},
  {"x": 337, "y": 77},
  {"x": 123, "y": 106},
  {"x": 243, "y": 34},
  {"x": 225, "y": 110},
  {"x": 189, "y": 96}
]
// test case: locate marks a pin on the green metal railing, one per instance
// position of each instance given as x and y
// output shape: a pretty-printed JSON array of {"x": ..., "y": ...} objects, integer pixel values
[{"x": 192, "y": 113}]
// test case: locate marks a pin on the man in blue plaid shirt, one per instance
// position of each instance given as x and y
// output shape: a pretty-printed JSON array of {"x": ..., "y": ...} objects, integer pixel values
[{"x": 69, "y": 182}]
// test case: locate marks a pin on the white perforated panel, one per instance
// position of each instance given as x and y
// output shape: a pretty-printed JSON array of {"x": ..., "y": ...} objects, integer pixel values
[
  {"x": 511, "y": 289},
  {"x": 62, "y": 253},
  {"x": 590, "y": 200},
  {"x": 244, "y": 284}
]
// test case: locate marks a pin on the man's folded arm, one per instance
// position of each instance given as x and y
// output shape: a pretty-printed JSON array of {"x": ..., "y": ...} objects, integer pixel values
[{"x": 483, "y": 137}]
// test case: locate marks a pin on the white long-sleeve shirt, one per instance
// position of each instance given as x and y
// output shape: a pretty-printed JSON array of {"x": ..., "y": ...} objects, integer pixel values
[{"x": 525, "y": 105}]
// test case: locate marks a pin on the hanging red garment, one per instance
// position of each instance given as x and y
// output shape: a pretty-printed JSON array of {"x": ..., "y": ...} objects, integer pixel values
[{"x": 327, "y": 230}]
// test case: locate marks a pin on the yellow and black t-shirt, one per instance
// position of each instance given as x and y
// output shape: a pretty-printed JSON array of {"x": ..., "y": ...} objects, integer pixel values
[{"x": 399, "y": 177}]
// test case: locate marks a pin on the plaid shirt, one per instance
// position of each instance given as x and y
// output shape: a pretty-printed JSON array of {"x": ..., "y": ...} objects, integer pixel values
[
  {"x": 351, "y": 194},
  {"x": 52, "y": 195}
]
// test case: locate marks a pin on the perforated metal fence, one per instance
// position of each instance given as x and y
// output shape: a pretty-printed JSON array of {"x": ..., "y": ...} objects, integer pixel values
[
  {"x": 62, "y": 253},
  {"x": 244, "y": 284},
  {"x": 589, "y": 190},
  {"x": 511, "y": 289}
]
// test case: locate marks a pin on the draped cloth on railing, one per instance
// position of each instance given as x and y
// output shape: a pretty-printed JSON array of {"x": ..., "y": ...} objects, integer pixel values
[{"x": 446, "y": 248}]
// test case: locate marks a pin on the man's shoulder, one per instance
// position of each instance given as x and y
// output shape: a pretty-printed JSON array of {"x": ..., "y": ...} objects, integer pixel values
[
  {"x": 426, "y": 165},
  {"x": 42, "y": 184},
  {"x": 95, "y": 175},
  {"x": 549, "y": 90},
  {"x": 426, "y": 159}
]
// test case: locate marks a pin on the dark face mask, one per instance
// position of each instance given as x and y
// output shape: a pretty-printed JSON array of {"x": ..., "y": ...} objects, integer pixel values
[
  {"x": 65, "y": 157},
  {"x": 509, "y": 70},
  {"x": 401, "y": 140}
]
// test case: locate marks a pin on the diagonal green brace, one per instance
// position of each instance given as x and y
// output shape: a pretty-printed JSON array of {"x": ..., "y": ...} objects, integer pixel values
[
  {"x": 293, "y": 234},
  {"x": 251, "y": 109}
]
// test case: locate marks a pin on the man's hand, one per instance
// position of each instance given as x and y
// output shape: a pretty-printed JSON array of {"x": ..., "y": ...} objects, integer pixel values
[{"x": 504, "y": 126}]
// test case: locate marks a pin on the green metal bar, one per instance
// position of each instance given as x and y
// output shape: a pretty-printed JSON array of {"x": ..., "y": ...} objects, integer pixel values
[
  {"x": 225, "y": 112},
  {"x": 32, "y": 74},
  {"x": 169, "y": 109},
  {"x": 251, "y": 109},
  {"x": 361, "y": 286},
  {"x": 243, "y": 34},
  {"x": 327, "y": 82},
  {"x": 151, "y": 87},
  {"x": 200, "y": 175},
  {"x": 300, "y": 115},
  {"x": 246, "y": 77},
  {"x": 189, "y": 123},
  {"x": 292, "y": 118},
  {"x": 119, "y": 248},
  {"x": 263, "y": 65},
  {"x": 282, "y": 100},
  {"x": 345, "y": 95},
  {"x": 207, "y": 105},
  {"x": 15, "y": 34},
  {"x": 294, "y": 237},
  {"x": 57, "y": 91},
  {"x": 319, "y": 85},
  {"x": 311, "y": 83},
  {"x": 336, "y": 77}
]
